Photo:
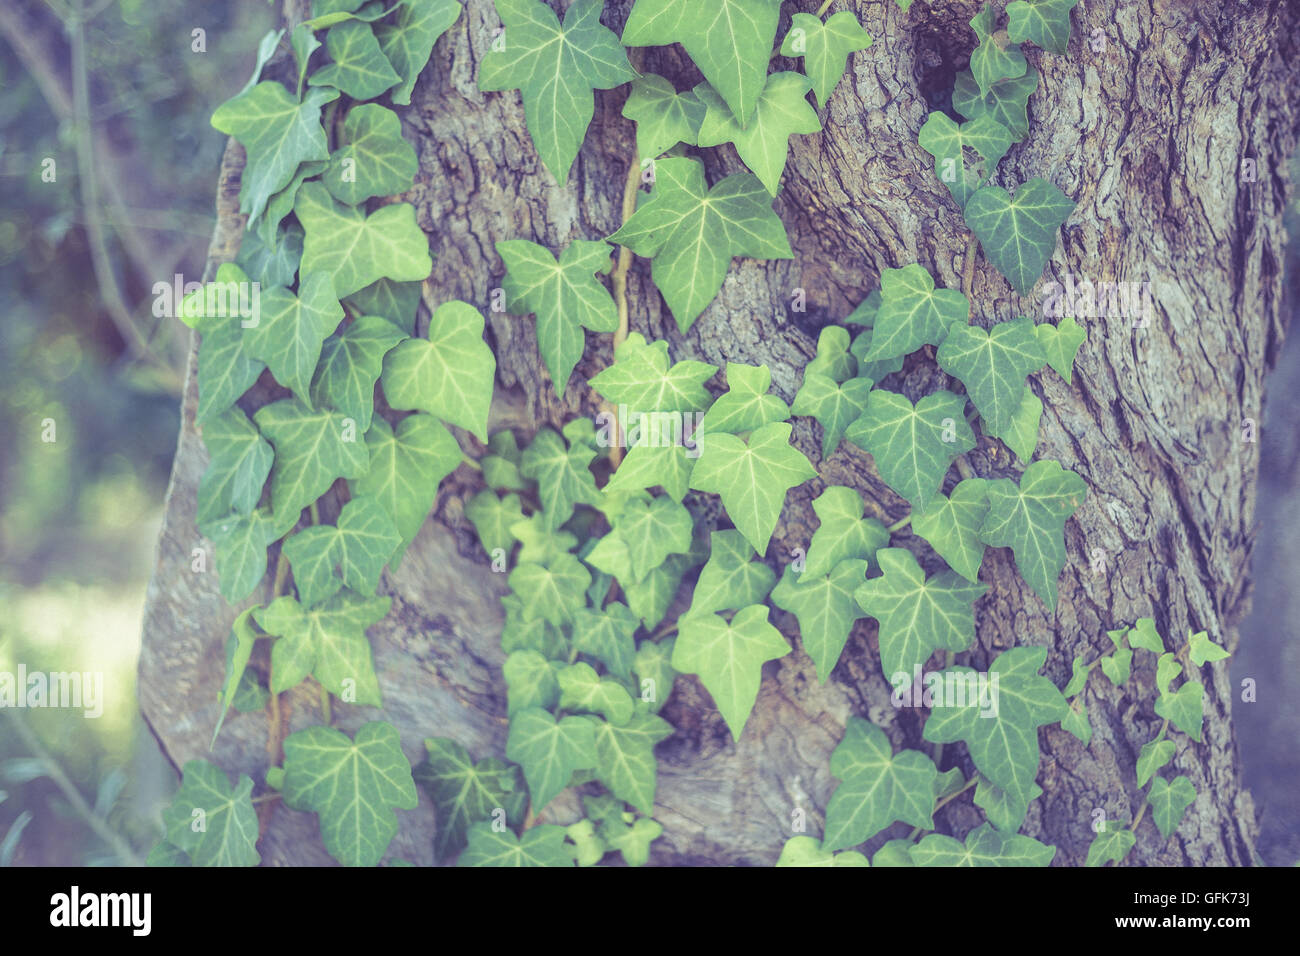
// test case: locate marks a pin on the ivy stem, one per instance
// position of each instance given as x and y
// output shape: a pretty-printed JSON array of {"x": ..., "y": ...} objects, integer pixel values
[
  {"x": 964, "y": 469},
  {"x": 618, "y": 278},
  {"x": 823, "y": 8},
  {"x": 968, "y": 267},
  {"x": 466, "y": 460},
  {"x": 325, "y": 706},
  {"x": 916, "y": 831},
  {"x": 315, "y": 513},
  {"x": 901, "y": 523}
]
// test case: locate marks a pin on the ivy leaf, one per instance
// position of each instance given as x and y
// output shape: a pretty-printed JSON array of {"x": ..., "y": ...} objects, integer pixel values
[
  {"x": 1143, "y": 634},
  {"x": 952, "y": 526},
  {"x": 807, "y": 851},
  {"x": 1204, "y": 650},
  {"x": 553, "y": 591},
  {"x": 994, "y": 59},
  {"x": 501, "y": 465},
  {"x": 280, "y": 205},
  {"x": 653, "y": 530},
  {"x": 866, "y": 311},
  {"x": 409, "y": 39},
  {"x": 625, "y": 757},
  {"x": 654, "y": 669},
  {"x": 826, "y": 608},
  {"x": 562, "y": 473},
  {"x": 947, "y": 143},
  {"x": 582, "y": 689},
  {"x": 1169, "y": 802},
  {"x": 651, "y": 465},
  {"x": 992, "y": 365},
  {"x": 541, "y": 845},
  {"x": 731, "y": 578},
  {"x": 917, "y": 616},
  {"x": 631, "y": 840},
  {"x": 663, "y": 116},
  {"x": 588, "y": 848},
  {"x": 464, "y": 792},
  {"x": 530, "y": 681},
  {"x": 650, "y": 598},
  {"x": 1076, "y": 722},
  {"x": 1045, "y": 23},
  {"x": 226, "y": 370},
  {"x": 1060, "y": 343},
  {"x": 1003, "y": 744},
  {"x": 762, "y": 142},
  {"x": 729, "y": 658},
  {"x": 641, "y": 379},
  {"x": 752, "y": 477},
  {"x": 843, "y": 531},
  {"x": 1185, "y": 708},
  {"x": 1007, "y": 102},
  {"x": 1154, "y": 755},
  {"x": 1019, "y": 234},
  {"x": 835, "y": 406},
  {"x": 376, "y": 161},
  {"x": 1166, "y": 670},
  {"x": 555, "y": 68},
  {"x": 241, "y": 542},
  {"x": 550, "y": 752},
  {"x": 876, "y": 787},
  {"x": 291, "y": 330},
  {"x": 1116, "y": 666},
  {"x": 564, "y": 295},
  {"x": 984, "y": 846},
  {"x": 239, "y": 648},
  {"x": 539, "y": 634},
  {"x": 833, "y": 359},
  {"x": 274, "y": 263},
  {"x": 874, "y": 369},
  {"x": 1030, "y": 519},
  {"x": 894, "y": 852},
  {"x": 278, "y": 132},
  {"x": 359, "y": 544},
  {"x": 304, "y": 43},
  {"x": 228, "y": 836},
  {"x": 239, "y": 461},
  {"x": 395, "y": 301},
  {"x": 1078, "y": 678},
  {"x": 357, "y": 249},
  {"x": 328, "y": 642},
  {"x": 1021, "y": 436},
  {"x": 913, "y": 313},
  {"x": 492, "y": 518},
  {"x": 692, "y": 233},
  {"x": 360, "y": 68},
  {"x": 353, "y": 785},
  {"x": 746, "y": 405},
  {"x": 312, "y": 450},
  {"x": 1004, "y": 811},
  {"x": 449, "y": 373},
  {"x": 538, "y": 544},
  {"x": 350, "y": 364},
  {"x": 825, "y": 48},
  {"x": 913, "y": 445},
  {"x": 606, "y": 635},
  {"x": 1110, "y": 846}
]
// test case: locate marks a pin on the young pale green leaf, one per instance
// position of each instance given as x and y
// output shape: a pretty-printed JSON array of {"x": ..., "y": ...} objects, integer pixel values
[
  {"x": 562, "y": 473},
  {"x": 1111, "y": 845},
  {"x": 663, "y": 116},
  {"x": 582, "y": 689},
  {"x": 1185, "y": 709},
  {"x": 564, "y": 295},
  {"x": 625, "y": 756},
  {"x": 843, "y": 532},
  {"x": 876, "y": 787},
  {"x": 952, "y": 526},
  {"x": 409, "y": 39},
  {"x": 541, "y": 845},
  {"x": 350, "y": 363},
  {"x": 692, "y": 233},
  {"x": 1169, "y": 801},
  {"x": 228, "y": 835},
  {"x": 912, "y": 313},
  {"x": 835, "y": 406},
  {"x": 353, "y": 785},
  {"x": 357, "y": 249},
  {"x": 632, "y": 840},
  {"x": 539, "y": 634},
  {"x": 550, "y": 752},
  {"x": 1019, "y": 233},
  {"x": 239, "y": 460},
  {"x": 655, "y": 672},
  {"x": 376, "y": 160},
  {"x": 731, "y": 578},
  {"x": 226, "y": 370},
  {"x": 825, "y": 48},
  {"x": 826, "y": 608},
  {"x": 917, "y": 616},
  {"x": 448, "y": 374},
  {"x": 395, "y": 301},
  {"x": 1021, "y": 436},
  {"x": 894, "y": 852},
  {"x": 1076, "y": 722},
  {"x": 1078, "y": 678},
  {"x": 464, "y": 792},
  {"x": 555, "y": 68},
  {"x": 762, "y": 143},
  {"x": 1166, "y": 670},
  {"x": 1144, "y": 635},
  {"x": 1030, "y": 519},
  {"x": 807, "y": 851},
  {"x": 653, "y": 530},
  {"x": 1154, "y": 755},
  {"x": 913, "y": 445},
  {"x": 312, "y": 450},
  {"x": 587, "y": 848},
  {"x": 241, "y": 542},
  {"x": 537, "y": 543},
  {"x": 746, "y": 405},
  {"x": 1007, "y": 102},
  {"x": 304, "y": 43},
  {"x": 947, "y": 143},
  {"x": 729, "y": 40},
  {"x": 729, "y": 658},
  {"x": 833, "y": 358},
  {"x": 239, "y": 648},
  {"x": 995, "y": 58},
  {"x": 1117, "y": 666},
  {"x": 360, "y": 68},
  {"x": 752, "y": 478},
  {"x": 278, "y": 132},
  {"x": 642, "y": 380},
  {"x": 607, "y": 636},
  {"x": 650, "y": 598},
  {"x": 530, "y": 682},
  {"x": 1204, "y": 650},
  {"x": 1045, "y": 23},
  {"x": 1060, "y": 343},
  {"x": 501, "y": 465},
  {"x": 291, "y": 330},
  {"x": 984, "y": 846},
  {"x": 653, "y": 464},
  {"x": 992, "y": 365},
  {"x": 493, "y": 518},
  {"x": 554, "y": 591},
  {"x": 359, "y": 545},
  {"x": 328, "y": 642}
]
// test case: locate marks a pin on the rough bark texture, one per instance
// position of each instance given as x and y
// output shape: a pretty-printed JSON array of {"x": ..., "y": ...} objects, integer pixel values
[{"x": 1147, "y": 132}]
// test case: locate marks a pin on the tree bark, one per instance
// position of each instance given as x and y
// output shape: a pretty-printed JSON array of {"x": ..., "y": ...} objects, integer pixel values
[{"x": 1147, "y": 122}]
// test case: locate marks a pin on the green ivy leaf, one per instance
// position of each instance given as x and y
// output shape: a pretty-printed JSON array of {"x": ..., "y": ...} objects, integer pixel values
[
  {"x": 807, "y": 851},
  {"x": 994, "y": 59},
  {"x": 550, "y": 752},
  {"x": 1078, "y": 678},
  {"x": 692, "y": 233},
  {"x": 1144, "y": 635},
  {"x": 731, "y": 578},
  {"x": 1030, "y": 519},
  {"x": 653, "y": 530},
  {"x": 537, "y": 544},
  {"x": 328, "y": 642},
  {"x": 1045, "y": 23},
  {"x": 752, "y": 478},
  {"x": 555, "y": 68},
  {"x": 625, "y": 757},
  {"x": 825, "y": 48},
  {"x": 835, "y": 406},
  {"x": 228, "y": 836},
  {"x": 1185, "y": 708},
  {"x": 226, "y": 371},
  {"x": 1021, "y": 436},
  {"x": 564, "y": 295},
  {"x": 729, "y": 658},
  {"x": 350, "y": 364},
  {"x": 353, "y": 786},
  {"x": 312, "y": 450},
  {"x": 663, "y": 116},
  {"x": 833, "y": 358},
  {"x": 641, "y": 379},
  {"x": 631, "y": 840},
  {"x": 913, "y": 445},
  {"x": 588, "y": 848},
  {"x": 653, "y": 465},
  {"x": 1169, "y": 802},
  {"x": 762, "y": 143},
  {"x": 1007, "y": 102},
  {"x": 553, "y": 591},
  {"x": 274, "y": 263},
  {"x": 917, "y": 616},
  {"x": 358, "y": 545},
  {"x": 359, "y": 249},
  {"x": 539, "y": 634},
  {"x": 984, "y": 846},
  {"x": 913, "y": 313},
  {"x": 291, "y": 330},
  {"x": 1076, "y": 722},
  {"x": 539, "y": 846},
  {"x": 239, "y": 461},
  {"x": 278, "y": 133},
  {"x": 1154, "y": 755},
  {"x": 607, "y": 635},
  {"x": 729, "y": 40},
  {"x": 952, "y": 525},
  {"x": 826, "y": 608},
  {"x": 562, "y": 473},
  {"x": 1019, "y": 233},
  {"x": 947, "y": 143},
  {"x": 1110, "y": 846},
  {"x": 360, "y": 68},
  {"x": 1204, "y": 650},
  {"x": 894, "y": 852},
  {"x": 1166, "y": 670},
  {"x": 464, "y": 792},
  {"x": 409, "y": 39},
  {"x": 267, "y": 228},
  {"x": 650, "y": 598},
  {"x": 843, "y": 532},
  {"x": 395, "y": 301},
  {"x": 583, "y": 690},
  {"x": 875, "y": 370},
  {"x": 239, "y": 648},
  {"x": 1060, "y": 343},
  {"x": 653, "y": 668},
  {"x": 449, "y": 373},
  {"x": 1003, "y": 810},
  {"x": 376, "y": 161},
  {"x": 992, "y": 365},
  {"x": 530, "y": 682},
  {"x": 1116, "y": 666},
  {"x": 241, "y": 542},
  {"x": 746, "y": 405},
  {"x": 493, "y": 518}
]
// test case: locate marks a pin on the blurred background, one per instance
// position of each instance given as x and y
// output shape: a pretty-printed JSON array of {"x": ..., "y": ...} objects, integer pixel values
[{"x": 108, "y": 170}]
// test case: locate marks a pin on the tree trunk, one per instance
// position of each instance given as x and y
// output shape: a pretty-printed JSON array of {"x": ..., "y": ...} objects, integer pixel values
[{"x": 1168, "y": 122}]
